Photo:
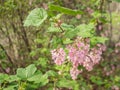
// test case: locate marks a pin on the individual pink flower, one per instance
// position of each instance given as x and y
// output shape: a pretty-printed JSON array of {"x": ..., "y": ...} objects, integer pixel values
[
  {"x": 115, "y": 87},
  {"x": 100, "y": 27},
  {"x": 89, "y": 10},
  {"x": 78, "y": 16},
  {"x": 117, "y": 44}
]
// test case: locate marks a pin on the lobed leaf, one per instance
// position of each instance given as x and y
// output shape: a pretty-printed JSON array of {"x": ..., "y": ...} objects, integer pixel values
[
  {"x": 64, "y": 10},
  {"x": 27, "y": 72},
  {"x": 36, "y": 17},
  {"x": 95, "y": 40}
]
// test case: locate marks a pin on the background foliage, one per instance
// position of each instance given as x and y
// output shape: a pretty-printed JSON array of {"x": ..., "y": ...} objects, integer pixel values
[{"x": 30, "y": 29}]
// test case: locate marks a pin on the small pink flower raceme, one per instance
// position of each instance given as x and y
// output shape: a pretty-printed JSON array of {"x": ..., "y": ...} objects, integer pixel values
[
  {"x": 58, "y": 55},
  {"x": 74, "y": 72},
  {"x": 94, "y": 56},
  {"x": 74, "y": 55},
  {"x": 88, "y": 64},
  {"x": 117, "y": 46},
  {"x": 79, "y": 53},
  {"x": 89, "y": 10},
  {"x": 115, "y": 87}
]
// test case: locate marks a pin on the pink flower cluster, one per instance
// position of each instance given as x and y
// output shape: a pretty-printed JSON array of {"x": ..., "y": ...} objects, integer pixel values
[
  {"x": 58, "y": 55},
  {"x": 117, "y": 47},
  {"x": 79, "y": 53},
  {"x": 74, "y": 72}
]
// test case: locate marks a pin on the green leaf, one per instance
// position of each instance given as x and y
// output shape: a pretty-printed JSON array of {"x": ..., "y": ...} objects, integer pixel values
[
  {"x": 12, "y": 87},
  {"x": 27, "y": 72},
  {"x": 117, "y": 78},
  {"x": 21, "y": 73},
  {"x": 85, "y": 30},
  {"x": 57, "y": 17},
  {"x": 56, "y": 41},
  {"x": 71, "y": 33},
  {"x": 97, "y": 80},
  {"x": 42, "y": 61},
  {"x": 35, "y": 78},
  {"x": 13, "y": 78},
  {"x": 3, "y": 77},
  {"x": 51, "y": 73},
  {"x": 96, "y": 14},
  {"x": 67, "y": 27},
  {"x": 54, "y": 29},
  {"x": 31, "y": 86},
  {"x": 67, "y": 41},
  {"x": 30, "y": 70},
  {"x": 39, "y": 78},
  {"x": 117, "y": 0},
  {"x": 64, "y": 10},
  {"x": 44, "y": 80},
  {"x": 64, "y": 26},
  {"x": 33, "y": 53},
  {"x": 95, "y": 40},
  {"x": 66, "y": 83},
  {"x": 36, "y": 17}
]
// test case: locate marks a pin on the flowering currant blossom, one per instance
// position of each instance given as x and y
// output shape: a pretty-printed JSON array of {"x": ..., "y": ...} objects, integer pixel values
[
  {"x": 74, "y": 72},
  {"x": 79, "y": 54},
  {"x": 58, "y": 55}
]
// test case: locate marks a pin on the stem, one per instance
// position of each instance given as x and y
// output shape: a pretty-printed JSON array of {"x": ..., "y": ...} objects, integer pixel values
[
  {"x": 110, "y": 23},
  {"x": 55, "y": 85},
  {"x": 61, "y": 29},
  {"x": 9, "y": 58},
  {"x": 4, "y": 85},
  {"x": 89, "y": 58},
  {"x": 49, "y": 44}
]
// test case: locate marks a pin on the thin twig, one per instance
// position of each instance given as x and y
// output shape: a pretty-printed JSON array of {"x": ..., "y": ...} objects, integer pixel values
[
  {"x": 9, "y": 58},
  {"x": 111, "y": 27},
  {"x": 61, "y": 29}
]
